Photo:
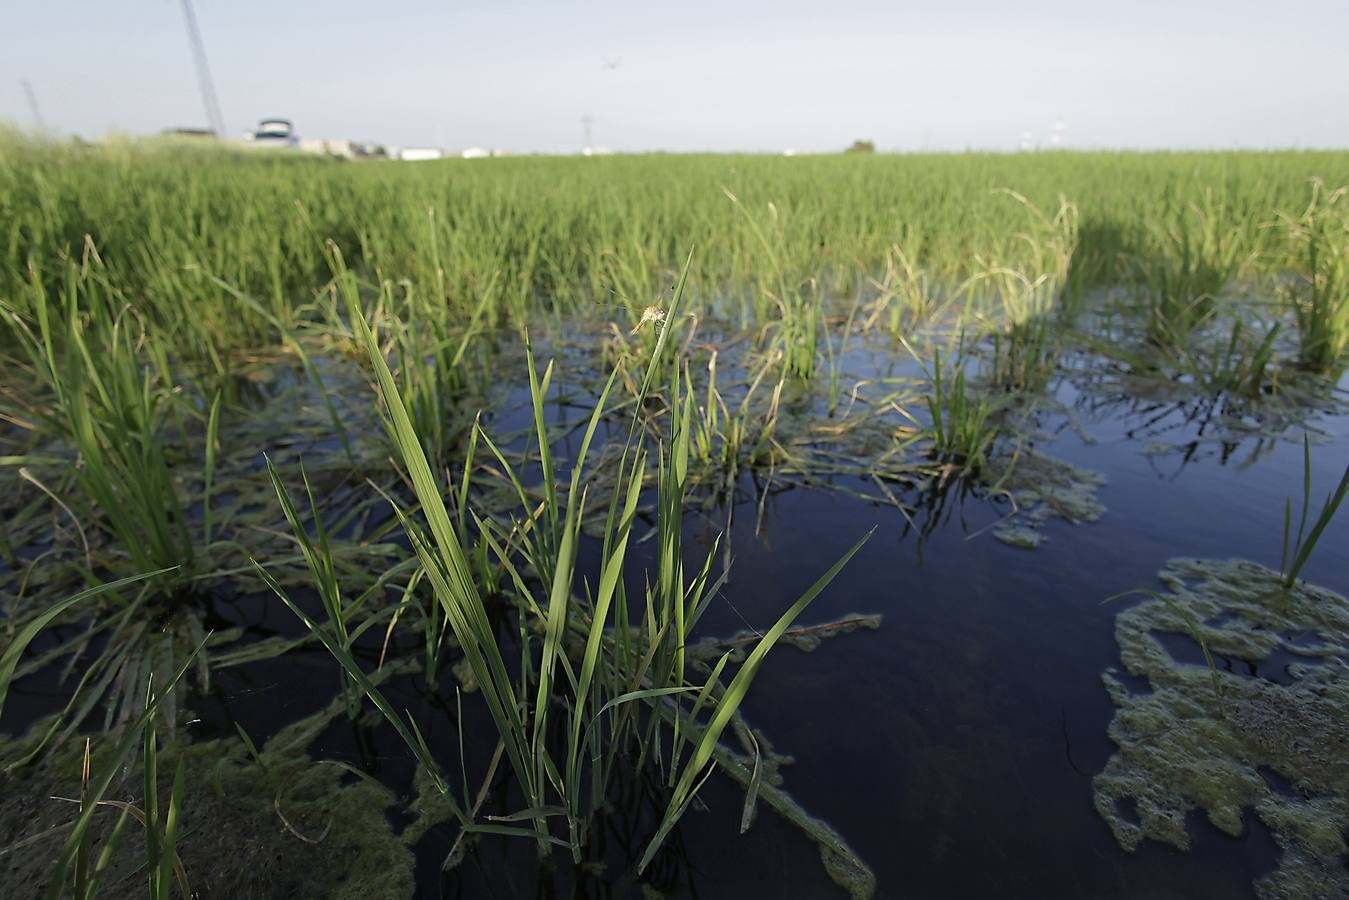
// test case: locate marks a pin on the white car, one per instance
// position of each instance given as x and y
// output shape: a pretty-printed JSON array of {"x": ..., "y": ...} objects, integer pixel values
[{"x": 276, "y": 133}]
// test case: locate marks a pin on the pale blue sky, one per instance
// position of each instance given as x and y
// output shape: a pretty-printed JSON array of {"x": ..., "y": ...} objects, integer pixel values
[{"x": 695, "y": 75}]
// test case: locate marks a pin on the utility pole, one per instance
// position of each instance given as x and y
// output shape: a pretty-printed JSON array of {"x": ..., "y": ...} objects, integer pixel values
[
  {"x": 585, "y": 129},
  {"x": 32, "y": 104},
  {"x": 213, "y": 116}
]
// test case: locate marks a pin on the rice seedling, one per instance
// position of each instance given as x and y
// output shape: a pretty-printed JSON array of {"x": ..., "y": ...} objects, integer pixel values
[
  {"x": 1024, "y": 356},
  {"x": 433, "y": 366},
  {"x": 115, "y": 447},
  {"x": 796, "y": 328},
  {"x": 591, "y": 667},
  {"x": 797, "y": 333},
  {"x": 1025, "y": 296},
  {"x": 1193, "y": 259},
  {"x": 319, "y": 558},
  {"x": 724, "y": 441},
  {"x": 1242, "y": 364},
  {"x": 905, "y": 296},
  {"x": 961, "y": 427},
  {"x": 1297, "y": 551},
  {"x": 1320, "y": 297},
  {"x": 25, "y": 635},
  {"x": 76, "y": 865},
  {"x": 108, "y": 393}
]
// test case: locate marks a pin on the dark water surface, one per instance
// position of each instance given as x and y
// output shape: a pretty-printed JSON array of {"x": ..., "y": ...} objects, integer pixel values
[{"x": 953, "y": 748}]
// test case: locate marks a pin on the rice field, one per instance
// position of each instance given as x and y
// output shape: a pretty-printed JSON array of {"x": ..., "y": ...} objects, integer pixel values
[{"x": 718, "y": 526}]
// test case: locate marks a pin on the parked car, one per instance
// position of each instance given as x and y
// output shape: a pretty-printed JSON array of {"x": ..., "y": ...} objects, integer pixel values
[
  {"x": 276, "y": 133},
  {"x": 193, "y": 133}
]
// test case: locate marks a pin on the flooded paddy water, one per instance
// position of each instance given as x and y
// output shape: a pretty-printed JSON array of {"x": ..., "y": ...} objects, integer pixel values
[
  {"x": 954, "y": 738},
  {"x": 1091, "y": 648}
]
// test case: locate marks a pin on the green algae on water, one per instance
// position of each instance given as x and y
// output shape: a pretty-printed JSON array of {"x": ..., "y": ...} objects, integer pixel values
[
  {"x": 1177, "y": 752},
  {"x": 280, "y": 825},
  {"x": 1042, "y": 487},
  {"x": 1019, "y": 535}
]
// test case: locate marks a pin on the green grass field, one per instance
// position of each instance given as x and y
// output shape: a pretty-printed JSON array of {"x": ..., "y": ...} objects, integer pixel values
[{"x": 173, "y": 313}]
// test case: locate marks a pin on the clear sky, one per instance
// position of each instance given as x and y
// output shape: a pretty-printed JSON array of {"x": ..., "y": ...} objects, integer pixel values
[{"x": 695, "y": 75}]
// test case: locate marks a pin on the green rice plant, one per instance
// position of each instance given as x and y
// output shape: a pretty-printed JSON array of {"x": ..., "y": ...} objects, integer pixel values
[
  {"x": 906, "y": 298},
  {"x": 724, "y": 441},
  {"x": 1179, "y": 297},
  {"x": 797, "y": 333},
  {"x": 135, "y": 636},
  {"x": 1029, "y": 280},
  {"x": 799, "y": 301},
  {"x": 26, "y": 633},
  {"x": 162, "y": 866},
  {"x": 560, "y": 233},
  {"x": 586, "y": 671},
  {"x": 1297, "y": 551},
  {"x": 77, "y": 872},
  {"x": 323, "y": 571},
  {"x": 1319, "y": 298},
  {"x": 1025, "y": 295},
  {"x": 962, "y": 430},
  {"x": 141, "y": 500},
  {"x": 1243, "y": 364},
  {"x": 834, "y": 357},
  {"x": 107, "y": 392},
  {"x": 292, "y": 343},
  {"x": 486, "y": 572},
  {"x": 1193, "y": 259},
  {"x": 1024, "y": 356},
  {"x": 431, "y": 354}
]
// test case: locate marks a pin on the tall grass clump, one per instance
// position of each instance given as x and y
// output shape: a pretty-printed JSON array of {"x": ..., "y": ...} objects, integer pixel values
[
  {"x": 1319, "y": 298},
  {"x": 790, "y": 297},
  {"x": 906, "y": 297},
  {"x": 1242, "y": 362},
  {"x": 107, "y": 393},
  {"x": 434, "y": 362},
  {"x": 83, "y": 859},
  {"x": 587, "y": 682},
  {"x": 961, "y": 427},
  {"x": 1192, "y": 255},
  {"x": 726, "y": 439},
  {"x": 1024, "y": 287},
  {"x": 565, "y": 234},
  {"x": 106, "y": 419}
]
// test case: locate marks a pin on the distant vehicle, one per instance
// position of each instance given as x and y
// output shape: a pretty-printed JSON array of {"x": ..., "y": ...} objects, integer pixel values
[
  {"x": 420, "y": 154},
  {"x": 196, "y": 133},
  {"x": 275, "y": 133},
  {"x": 367, "y": 150}
]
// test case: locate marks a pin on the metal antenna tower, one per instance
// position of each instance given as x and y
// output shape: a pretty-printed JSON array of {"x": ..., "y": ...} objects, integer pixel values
[
  {"x": 32, "y": 104},
  {"x": 585, "y": 128},
  {"x": 208, "y": 99}
]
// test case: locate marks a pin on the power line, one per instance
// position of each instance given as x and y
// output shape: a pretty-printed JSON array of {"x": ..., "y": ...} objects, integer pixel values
[
  {"x": 208, "y": 99},
  {"x": 32, "y": 104}
]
